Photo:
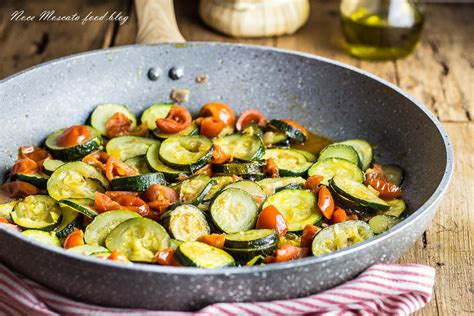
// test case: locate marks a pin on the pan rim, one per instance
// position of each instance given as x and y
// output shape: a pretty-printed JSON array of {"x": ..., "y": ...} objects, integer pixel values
[{"x": 431, "y": 202}]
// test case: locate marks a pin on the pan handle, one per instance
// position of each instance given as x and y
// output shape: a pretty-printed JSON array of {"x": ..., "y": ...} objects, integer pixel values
[{"x": 157, "y": 22}]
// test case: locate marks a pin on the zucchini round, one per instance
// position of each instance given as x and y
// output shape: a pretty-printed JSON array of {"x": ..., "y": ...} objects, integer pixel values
[
  {"x": 194, "y": 189},
  {"x": 244, "y": 255},
  {"x": 381, "y": 223},
  {"x": 252, "y": 239},
  {"x": 96, "y": 232},
  {"x": 191, "y": 130},
  {"x": 397, "y": 207},
  {"x": 289, "y": 162},
  {"x": 330, "y": 167},
  {"x": 271, "y": 138},
  {"x": 251, "y": 188},
  {"x": 272, "y": 185},
  {"x": 138, "y": 183},
  {"x": 186, "y": 223},
  {"x": 50, "y": 165},
  {"x": 88, "y": 250},
  {"x": 309, "y": 156},
  {"x": 234, "y": 210},
  {"x": 83, "y": 206},
  {"x": 139, "y": 163},
  {"x": 155, "y": 163},
  {"x": 357, "y": 192},
  {"x": 244, "y": 147},
  {"x": 244, "y": 170},
  {"x": 292, "y": 131},
  {"x": 48, "y": 238},
  {"x": 339, "y": 236},
  {"x": 217, "y": 185},
  {"x": 104, "y": 112},
  {"x": 139, "y": 239},
  {"x": 340, "y": 151},
  {"x": 188, "y": 153},
  {"x": 70, "y": 220},
  {"x": 37, "y": 212},
  {"x": 36, "y": 179},
  {"x": 394, "y": 174},
  {"x": 364, "y": 151},
  {"x": 73, "y": 152},
  {"x": 7, "y": 208},
  {"x": 298, "y": 207},
  {"x": 125, "y": 147},
  {"x": 154, "y": 112},
  {"x": 198, "y": 254},
  {"x": 76, "y": 180}
]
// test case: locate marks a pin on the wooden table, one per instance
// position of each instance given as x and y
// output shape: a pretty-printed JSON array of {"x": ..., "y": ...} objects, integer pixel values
[{"x": 440, "y": 74}]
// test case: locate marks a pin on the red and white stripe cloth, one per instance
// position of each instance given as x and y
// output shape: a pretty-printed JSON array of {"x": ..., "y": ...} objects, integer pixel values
[{"x": 387, "y": 289}]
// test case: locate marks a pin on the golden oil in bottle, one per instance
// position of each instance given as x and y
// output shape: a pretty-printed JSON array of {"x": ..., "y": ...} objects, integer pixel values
[{"x": 381, "y": 29}]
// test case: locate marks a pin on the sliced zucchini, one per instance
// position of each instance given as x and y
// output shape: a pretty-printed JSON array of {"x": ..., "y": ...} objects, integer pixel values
[
  {"x": 244, "y": 147},
  {"x": 289, "y": 162},
  {"x": 357, "y": 192},
  {"x": 96, "y": 232},
  {"x": 218, "y": 184},
  {"x": 125, "y": 147},
  {"x": 330, "y": 167},
  {"x": 340, "y": 151},
  {"x": 252, "y": 239},
  {"x": 227, "y": 130},
  {"x": 188, "y": 153},
  {"x": 309, "y": 156},
  {"x": 139, "y": 163},
  {"x": 175, "y": 243},
  {"x": 244, "y": 255},
  {"x": 191, "y": 130},
  {"x": 83, "y": 206},
  {"x": 76, "y": 180},
  {"x": 198, "y": 254},
  {"x": 155, "y": 163},
  {"x": 290, "y": 239},
  {"x": 104, "y": 112},
  {"x": 48, "y": 238},
  {"x": 251, "y": 188},
  {"x": 292, "y": 131},
  {"x": 244, "y": 170},
  {"x": 298, "y": 207},
  {"x": 253, "y": 129},
  {"x": 139, "y": 239},
  {"x": 382, "y": 223},
  {"x": 339, "y": 236},
  {"x": 50, "y": 165},
  {"x": 93, "y": 143},
  {"x": 256, "y": 261},
  {"x": 138, "y": 183},
  {"x": 194, "y": 189},
  {"x": 101, "y": 254},
  {"x": 154, "y": 112},
  {"x": 186, "y": 223},
  {"x": 273, "y": 138},
  {"x": 234, "y": 210},
  {"x": 272, "y": 185},
  {"x": 394, "y": 174},
  {"x": 364, "y": 151},
  {"x": 7, "y": 208},
  {"x": 88, "y": 250},
  {"x": 70, "y": 220},
  {"x": 37, "y": 212},
  {"x": 397, "y": 207},
  {"x": 37, "y": 179}
]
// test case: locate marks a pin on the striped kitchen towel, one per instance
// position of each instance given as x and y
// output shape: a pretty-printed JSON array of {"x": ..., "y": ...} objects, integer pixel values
[{"x": 383, "y": 289}]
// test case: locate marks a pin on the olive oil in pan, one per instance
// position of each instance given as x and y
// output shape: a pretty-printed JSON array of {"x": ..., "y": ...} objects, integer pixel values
[
  {"x": 382, "y": 35},
  {"x": 313, "y": 144}
]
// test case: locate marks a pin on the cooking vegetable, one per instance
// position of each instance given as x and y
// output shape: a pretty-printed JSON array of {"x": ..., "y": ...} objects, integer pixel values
[
  {"x": 244, "y": 170},
  {"x": 74, "y": 142},
  {"x": 71, "y": 219},
  {"x": 177, "y": 120},
  {"x": 155, "y": 163},
  {"x": 186, "y": 223},
  {"x": 340, "y": 151},
  {"x": 154, "y": 112},
  {"x": 192, "y": 129},
  {"x": 364, "y": 151},
  {"x": 96, "y": 232},
  {"x": 330, "y": 167},
  {"x": 125, "y": 147},
  {"x": 37, "y": 212},
  {"x": 325, "y": 202},
  {"x": 188, "y": 153},
  {"x": 394, "y": 174},
  {"x": 271, "y": 218},
  {"x": 89, "y": 250},
  {"x": 382, "y": 223},
  {"x": 298, "y": 207},
  {"x": 83, "y": 206},
  {"x": 74, "y": 239},
  {"x": 138, "y": 239},
  {"x": 339, "y": 236},
  {"x": 198, "y": 254},
  {"x": 290, "y": 163},
  {"x": 139, "y": 163},
  {"x": 37, "y": 179},
  {"x": 50, "y": 165},
  {"x": 233, "y": 210},
  {"x": 138, "y": 183},
  {"x": 48, "y": 238},
  {"x": 358, "y": 193},
  {"x": 397, "y": 207},
  {"x": 251, "y": 188},
  {"x": 272, "y": 185},
  {"x": 294, "y": 130},
  {"x": 103, "y": 113},
  {"x": 7, "y": 208},
  {"x": 248, "y": 117},
  {"x": 218, "y": 111},
  {"x": 241, "y": 146}
]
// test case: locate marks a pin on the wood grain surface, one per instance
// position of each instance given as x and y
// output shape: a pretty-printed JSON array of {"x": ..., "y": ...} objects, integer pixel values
[{"x": 440, "y": 74}]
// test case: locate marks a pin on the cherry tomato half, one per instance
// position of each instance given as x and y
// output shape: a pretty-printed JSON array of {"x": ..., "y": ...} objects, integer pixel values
[
  {"x": 211, "y": 127},
  {"x": 74, "y": 135},
  {"x": 118, "y": 124},
  {"x": 218, "y": 111},
  {"x": 116, "y": 168},
  {"x": 248, "y": 117},
  {"x": 177, "y": 120},
  {"x": 271, "y": 218},
  {"x": 325, "y": 202}
]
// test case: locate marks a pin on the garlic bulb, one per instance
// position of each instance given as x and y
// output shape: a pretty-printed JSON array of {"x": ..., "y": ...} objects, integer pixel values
[{"x": 254, "y": 18}]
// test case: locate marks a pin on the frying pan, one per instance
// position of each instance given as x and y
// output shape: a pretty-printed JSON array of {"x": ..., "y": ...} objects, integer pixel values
[{"x": 328, "y": 97}]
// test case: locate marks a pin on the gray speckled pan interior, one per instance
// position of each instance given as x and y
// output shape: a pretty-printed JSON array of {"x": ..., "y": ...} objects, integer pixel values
[{"x": 329, "y": 98}]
